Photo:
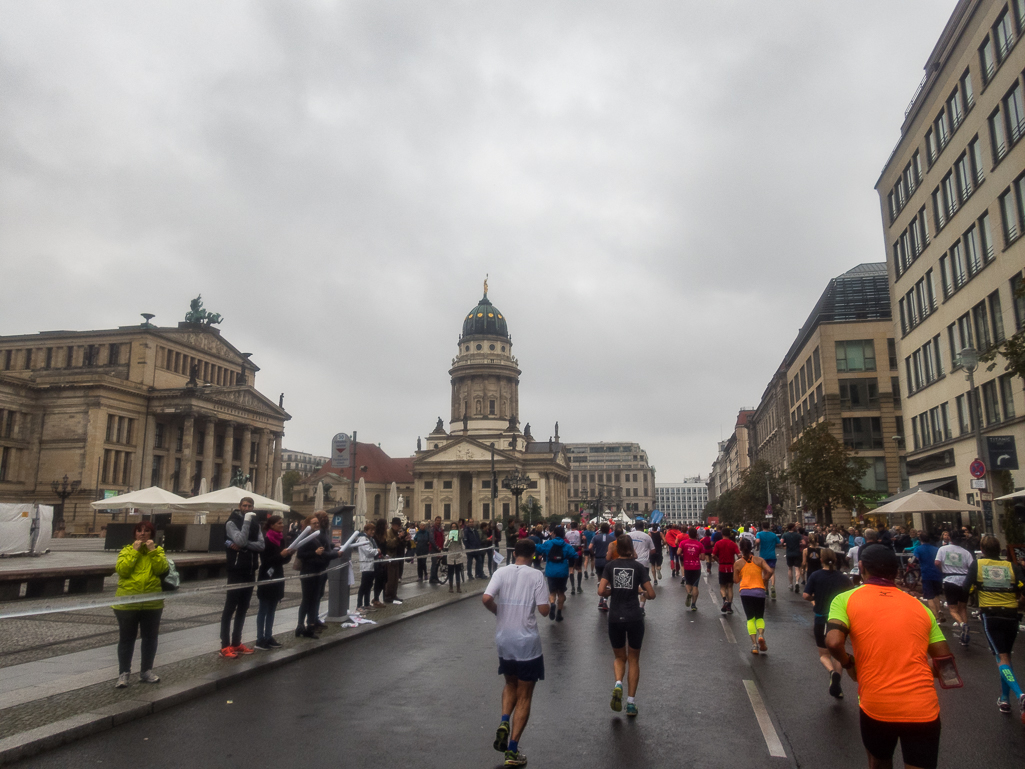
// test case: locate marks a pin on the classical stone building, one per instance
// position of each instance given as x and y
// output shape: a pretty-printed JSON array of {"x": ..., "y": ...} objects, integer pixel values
[
  {"x": 127, "y": 408},
  {"x": 616, "y": 473},
  {"x": 952, "y": 198},
  {"x": 452, "y": 472}
]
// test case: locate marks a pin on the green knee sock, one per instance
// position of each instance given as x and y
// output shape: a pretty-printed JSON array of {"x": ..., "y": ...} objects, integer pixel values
[
  {"x": 751, "y": 626},
  {"x": 760, "y": 623}
]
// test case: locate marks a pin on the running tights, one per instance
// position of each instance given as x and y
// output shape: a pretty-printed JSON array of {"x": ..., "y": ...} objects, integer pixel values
[{"x": 754, "y": 608}]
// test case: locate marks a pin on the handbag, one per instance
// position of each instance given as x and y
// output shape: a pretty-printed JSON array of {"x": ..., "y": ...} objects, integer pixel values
[{"x": 170, "y": 579}]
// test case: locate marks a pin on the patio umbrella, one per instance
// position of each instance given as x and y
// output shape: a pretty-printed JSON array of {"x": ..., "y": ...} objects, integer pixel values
[
  {"x": 203, "y": 487},
  {"x": 360, "y": 516},
  {"x": 228, "y": 499},
  {"x": 279, "y": 490},
  {"x": 393, "y": 498},
  {"x": 318, "y": 502},
  {"x": 924, "y": 502},
  {"x": 153, "y": 498},
  {"x": 1015, "y": 495},
  {"x": 249, "y": 485}
]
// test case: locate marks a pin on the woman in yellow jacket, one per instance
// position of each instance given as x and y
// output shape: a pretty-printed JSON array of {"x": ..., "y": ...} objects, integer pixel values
[
  {"x": 751, "y": 572},
  {"x": 139, "y": 568}
]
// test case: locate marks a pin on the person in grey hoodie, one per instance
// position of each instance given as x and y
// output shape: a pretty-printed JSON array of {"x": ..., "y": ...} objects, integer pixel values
[{"x": 244, "y": 544}]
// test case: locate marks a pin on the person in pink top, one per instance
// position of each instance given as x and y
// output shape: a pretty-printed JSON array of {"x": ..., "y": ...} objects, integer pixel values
[
  {"x": 690, "y": 551},
  {"x": 706, "y": 544}
]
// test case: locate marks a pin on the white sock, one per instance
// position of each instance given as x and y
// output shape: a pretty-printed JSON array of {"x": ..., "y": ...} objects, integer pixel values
[
  {"x": 619, "y": 684},
  {"x": 629, "y": 700}
]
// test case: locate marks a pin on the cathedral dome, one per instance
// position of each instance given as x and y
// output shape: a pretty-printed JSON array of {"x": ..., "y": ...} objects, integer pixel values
[{"x": 485, "y": 320}]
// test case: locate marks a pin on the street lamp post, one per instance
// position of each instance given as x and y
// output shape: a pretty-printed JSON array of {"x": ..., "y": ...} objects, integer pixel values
[
  {"x": 517, "y": 484},
  {"x": 969, "y": 358},
  {"x": 63, "y": 489}
]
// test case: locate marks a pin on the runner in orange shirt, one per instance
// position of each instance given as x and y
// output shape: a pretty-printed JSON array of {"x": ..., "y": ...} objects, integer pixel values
[{"x": 893, "y": 636}]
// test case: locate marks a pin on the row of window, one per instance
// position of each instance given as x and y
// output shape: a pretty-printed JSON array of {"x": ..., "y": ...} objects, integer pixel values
[
  {"x": 117, "y": 467},
  {"x": 71, "y": 356},
  {"x": 120, "y": 430},
  {"x": 911, "y": 243},
  {"x": 183, "y": 363},
  {"x": 918, "y": 303},
  {"x": 447, "y": 511},
  {"x": 924, "y": 366},
  {"x": 958, "y": 184},
  {"x": 949, "y": 118},
  {"x": 1001, "y": 38},
  {"x": 12, "y": 423},
  {"x": 8, "y": 455},
  {"x": 806, "y": 377},
  {"x": 933, "y": 426},
  {"x": 905, "y": 186},
  {"x": 967, "y": 256}
]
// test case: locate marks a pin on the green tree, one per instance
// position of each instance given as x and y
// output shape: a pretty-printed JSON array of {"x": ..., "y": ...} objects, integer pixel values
[
  {"x": 288, "y": 482},
  {"x": 827, "y": 472},
  {"x": 531, "y": 511}
]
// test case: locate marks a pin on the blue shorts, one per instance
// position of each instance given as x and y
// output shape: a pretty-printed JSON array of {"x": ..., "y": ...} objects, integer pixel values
[
  {"x": 771, "y": 562},
  {"x": 932, "y": 588},
  {"x": 524, "y": 670}
]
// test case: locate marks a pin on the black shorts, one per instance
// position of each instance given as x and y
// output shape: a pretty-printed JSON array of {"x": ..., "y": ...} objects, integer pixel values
[
  {"x": 1000, "y": 632},
  {"x": 557, "y": 584},
  {"x": 576, "y": 563},
  {"x": 693, "y": 576},
  {"x": 621, "y": 633},
  {"x": 954, "y": 593},
  {"x": 932, "y": 588},
  {"x": 793, "y": 560},
  {"x": 725, "y": 577},
  {"x": 919, "y": 741},
  {"x": 524, "y": 670},
  {"x": 819, "y": 631},
  {"x": 754, "y": 606},
  {"x": 655, "y": 558}
]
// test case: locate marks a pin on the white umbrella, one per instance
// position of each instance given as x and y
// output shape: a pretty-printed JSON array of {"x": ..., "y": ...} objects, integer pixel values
[
  {"x": 393, "y": 498},
  {"x": 360, "y": 516},
  {"x": 249, "y": 485},
  {"x": 318, "y": 502},
  {"x": 203, "y": 487},
  {"x": 228, "y": 499},
  {"x": 1015, "y": 495},
  {"x": 923, "y": 502},
  {"x": 153, "y": 498},
  {"x": 279, "y": 490}
]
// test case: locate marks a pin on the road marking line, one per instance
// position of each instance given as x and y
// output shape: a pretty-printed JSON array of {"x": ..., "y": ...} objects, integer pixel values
[
  {"x": 762, "y": 714},
  {"x": 729, "y": 631}
]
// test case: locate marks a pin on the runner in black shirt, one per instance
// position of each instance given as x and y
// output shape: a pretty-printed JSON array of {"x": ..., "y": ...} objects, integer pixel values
[
  {"x": 622, "y": 579},
  {"x": 655, "y": 557},
  {"x": 823, "y": 586}
]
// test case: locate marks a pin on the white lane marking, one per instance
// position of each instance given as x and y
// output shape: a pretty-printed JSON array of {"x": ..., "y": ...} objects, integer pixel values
[
  {"x": 762, "y": 714},
  {"x": 729, "y": 631}
]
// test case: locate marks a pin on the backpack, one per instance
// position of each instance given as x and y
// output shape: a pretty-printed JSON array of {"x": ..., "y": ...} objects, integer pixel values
[
  {"x": 170, "y": 580},
  {"x": 556, "y": 554}
]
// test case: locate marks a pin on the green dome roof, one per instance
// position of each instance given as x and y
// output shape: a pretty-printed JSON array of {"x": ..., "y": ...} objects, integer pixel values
[{"x": 485, "y": 319}]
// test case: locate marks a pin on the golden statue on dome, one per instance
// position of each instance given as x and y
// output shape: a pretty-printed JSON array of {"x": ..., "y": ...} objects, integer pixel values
[{"x": 486, "y": 284}]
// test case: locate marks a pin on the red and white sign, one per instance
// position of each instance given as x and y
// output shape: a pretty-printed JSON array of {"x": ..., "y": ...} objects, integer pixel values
[{"x": 977, "y": 469}]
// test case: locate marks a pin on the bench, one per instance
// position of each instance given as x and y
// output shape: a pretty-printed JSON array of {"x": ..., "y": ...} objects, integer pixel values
[{"x": 47, "y": 583}]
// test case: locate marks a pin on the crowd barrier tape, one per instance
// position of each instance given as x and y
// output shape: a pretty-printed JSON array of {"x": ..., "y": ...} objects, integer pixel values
[{"x": 124, "y": 600}]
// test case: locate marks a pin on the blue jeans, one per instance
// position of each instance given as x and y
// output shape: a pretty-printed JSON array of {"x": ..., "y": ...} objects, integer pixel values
[{"x": 265, "y": 619}]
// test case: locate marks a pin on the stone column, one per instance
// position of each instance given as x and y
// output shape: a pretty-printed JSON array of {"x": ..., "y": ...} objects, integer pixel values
[
  {"x": 246, "y": 449},
  {"x": 276, "y": 469},
  {"x": 209, "y": 426},
  {"x": 188, "y": 455},
  {"x": 145, "y": 474},
  {"x": 229, "y": 454},
  {"x": 260, "y": 487},
  {"x": 167, "y": 469}
]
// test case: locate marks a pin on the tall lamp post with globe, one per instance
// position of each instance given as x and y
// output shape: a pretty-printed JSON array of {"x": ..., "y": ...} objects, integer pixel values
[
  {"x": 969, "y": 359},
  {"x": 517, "y": 484},
  {"x": 63, "y": 489}
]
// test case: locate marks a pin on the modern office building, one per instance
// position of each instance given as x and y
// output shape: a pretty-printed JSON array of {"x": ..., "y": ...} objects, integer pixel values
[
  {"x": 682, "y": 503},
  {"x": 952, "y": 196},
  {"x": 616, "y": 475},
  {"x": 303, "y": 463}
]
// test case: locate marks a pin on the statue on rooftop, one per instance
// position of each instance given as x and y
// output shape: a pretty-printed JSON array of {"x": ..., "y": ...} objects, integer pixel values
[{"x": 199, "y": 316}]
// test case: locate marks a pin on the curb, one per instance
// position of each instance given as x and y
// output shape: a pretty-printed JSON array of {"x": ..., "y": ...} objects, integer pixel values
[{"x": 49, "y": 736}]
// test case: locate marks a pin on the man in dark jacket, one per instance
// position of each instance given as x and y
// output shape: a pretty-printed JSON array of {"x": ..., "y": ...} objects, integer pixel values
[
  {"x": 471, "y": 541},
  {"x": 422, "y": 546},
  {"x": 394, "y": 547},
  {"x": 436, "y": 546},
  {"x": 242, "y": 548}
]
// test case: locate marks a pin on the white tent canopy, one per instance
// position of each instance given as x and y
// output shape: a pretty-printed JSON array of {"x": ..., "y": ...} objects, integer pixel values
[
  {"x": 924, "y": 502},
  {"x": 153, "y": 498},
  {"x": 228, "y": 499},
  {"x": 20, "y": 524},
  {"x": 1015, "y": 495}
]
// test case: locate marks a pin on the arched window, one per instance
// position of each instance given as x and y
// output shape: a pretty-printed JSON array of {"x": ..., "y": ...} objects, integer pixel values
[
  {"x": 377, "y": 505},
  {"x": 491, "y": 407}
]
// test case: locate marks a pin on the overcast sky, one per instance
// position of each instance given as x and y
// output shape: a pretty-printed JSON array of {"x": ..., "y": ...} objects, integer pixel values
[{"x": 659, "y": 192}]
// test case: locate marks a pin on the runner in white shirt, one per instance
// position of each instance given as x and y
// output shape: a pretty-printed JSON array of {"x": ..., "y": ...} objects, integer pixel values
[
  {"x": 954, "y": 562},
  {"x": 642, "y": 548},
  {"x": 573, "y": 536},
  {"x": 513, "y": 594}
]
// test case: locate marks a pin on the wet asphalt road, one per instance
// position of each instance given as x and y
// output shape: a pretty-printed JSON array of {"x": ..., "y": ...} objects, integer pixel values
[{"x": 426, "y": 693}]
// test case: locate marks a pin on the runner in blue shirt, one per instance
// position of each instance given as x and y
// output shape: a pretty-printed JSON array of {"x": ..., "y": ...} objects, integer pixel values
[
  {"x": 932, "y": 578},
  {"x": 767, "y": 544},
  {"x": 558, "y": 555}
]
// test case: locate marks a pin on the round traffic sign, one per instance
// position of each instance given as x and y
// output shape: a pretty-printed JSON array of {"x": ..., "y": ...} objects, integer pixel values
[{"x": 977, "y": 469}]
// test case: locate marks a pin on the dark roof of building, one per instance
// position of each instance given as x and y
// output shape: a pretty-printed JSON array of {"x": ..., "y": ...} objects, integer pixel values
[
  {"x": 862, "y": 293},
  {"x": 485, "y": 320},
  {"x": 380, "y": 467},
  {"x": 544, "y": 447}
]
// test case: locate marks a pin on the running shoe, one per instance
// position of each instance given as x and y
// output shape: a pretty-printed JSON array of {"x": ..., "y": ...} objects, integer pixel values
[
  {"x": 617, "y": 698},
  {"x": 551, "y": 612},
  {"x": 502, "y": 737},
  {"x": 261, "y": 646},
  {"x": 515, "y": 758},
  {"x": 149, "y": 677},
  {"x": 772, "y": 594},
  {"x": 1021, "y": 706},
  {"x": 228, "y": 652},
  {"x": 272, "y": 643},
  {"x": 688, "y": 600},
  {"x": 122, "y": 682},
  {"x": 243, "y": 649},
  {"x": 754, "y": 649},
  {"x": 729, "y": 607},
  {"x": 558, "y": 616},
  {"x": 1004, "y": 706},
  {"x": 585, "y": 575},
  {"x": 631, "y": 709},
  {"x": 834, "y": 686},
  {"x": 964, "y": 634},
  {"x": 761, "y": 644},
  {"x": 723, "y": 609}
]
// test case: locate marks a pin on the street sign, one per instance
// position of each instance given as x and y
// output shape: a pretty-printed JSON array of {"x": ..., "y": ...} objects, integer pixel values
[
  {"x": 1003, "y": 454},
  {"x": 340, "y": 451},
  {"x": 986, "y": 496},
  {"x": 977, "y": 468},
  {"x": 978, "y": 483}
]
